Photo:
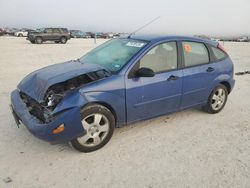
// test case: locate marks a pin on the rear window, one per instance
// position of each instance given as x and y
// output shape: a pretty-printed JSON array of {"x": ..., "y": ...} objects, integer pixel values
[
  {"x": 218, "y": 53},
  {"x": 195, "y": 53},
  {"x": 64, "y": 30}
]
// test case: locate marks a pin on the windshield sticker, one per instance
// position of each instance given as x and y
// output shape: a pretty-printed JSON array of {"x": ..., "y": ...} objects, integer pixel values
[{"x": 135, "y": 44}]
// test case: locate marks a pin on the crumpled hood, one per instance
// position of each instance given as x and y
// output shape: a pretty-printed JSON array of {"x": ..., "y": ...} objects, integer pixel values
[{"x": 36, "y": 84}]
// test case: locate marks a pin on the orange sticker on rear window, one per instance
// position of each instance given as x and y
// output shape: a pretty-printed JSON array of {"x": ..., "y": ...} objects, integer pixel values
[{"x": 187, "y": 48}]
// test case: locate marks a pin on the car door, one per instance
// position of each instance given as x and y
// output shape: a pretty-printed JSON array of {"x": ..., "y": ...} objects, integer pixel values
[
  {"x": 148, "y": 97},
  {"x": 198, "y": 73},
  {"x": 56, "y": 34},
  {"x": 48, "y": 34}
]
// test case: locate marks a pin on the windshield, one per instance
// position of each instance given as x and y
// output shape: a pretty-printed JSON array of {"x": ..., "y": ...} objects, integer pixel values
[{"x": 114, "y": 54}]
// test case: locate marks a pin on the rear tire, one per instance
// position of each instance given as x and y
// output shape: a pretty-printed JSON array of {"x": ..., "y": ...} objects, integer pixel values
[
  {"x": 99, "y": 123},
  {"x": 63, "y": 40},
  {"x": 216, "y": 100},
  {"x": 20, "y": 35},
  {"x": 39, "y": 40}
]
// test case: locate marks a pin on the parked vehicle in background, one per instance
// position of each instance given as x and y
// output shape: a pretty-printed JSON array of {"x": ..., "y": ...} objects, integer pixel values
[
  {"x": 229, "y": 39},
  {"x": 110, "y": 35},
  {"x": 78, "y": 34},
  {"x": 92, "y": 34},
  {"x": 101, "y": 35},
  {"x": 122, "y": 81},
  {"x": 21, "y": 33},
  {"x": 116, "y": 35},
  {"x": 203, "y": 37},
  {"x": 58, "y": 35},
  {"x": 215, "y": 39},
  {"x": 2, "y": 32},
  {"x": 243, "y": 39},
  {"x": 89, "y": 34},
  {"x": 11, "y": 31}
]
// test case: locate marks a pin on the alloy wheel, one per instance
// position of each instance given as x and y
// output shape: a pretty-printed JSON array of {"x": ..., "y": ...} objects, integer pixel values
[
  {"x": 218, "y": 99},
  {"x": 96, "y": 127}
]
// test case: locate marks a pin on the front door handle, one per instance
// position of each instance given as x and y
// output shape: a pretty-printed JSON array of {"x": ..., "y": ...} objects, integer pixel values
[
  {"x": 172, "y": 77},
  {"x": 210, "y": 69}
]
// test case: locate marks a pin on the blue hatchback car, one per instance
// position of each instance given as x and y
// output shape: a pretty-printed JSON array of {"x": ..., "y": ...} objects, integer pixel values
[{"x": 122, "y": 81}]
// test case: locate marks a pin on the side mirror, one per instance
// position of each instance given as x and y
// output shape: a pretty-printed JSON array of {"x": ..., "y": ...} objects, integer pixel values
[{"x": 145, "y": 72}]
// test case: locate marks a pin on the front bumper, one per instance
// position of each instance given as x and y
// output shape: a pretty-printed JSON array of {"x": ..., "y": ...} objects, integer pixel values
[{"x": 70, "y": 118}]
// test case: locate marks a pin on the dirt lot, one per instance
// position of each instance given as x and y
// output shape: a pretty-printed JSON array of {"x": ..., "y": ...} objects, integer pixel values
[{"x": 186, "y": 149}]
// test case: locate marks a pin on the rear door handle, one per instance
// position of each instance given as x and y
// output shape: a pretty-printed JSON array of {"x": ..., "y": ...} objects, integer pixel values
[
  {"x": 172, "y": 77},
  {"x": 210, "y": 69}
]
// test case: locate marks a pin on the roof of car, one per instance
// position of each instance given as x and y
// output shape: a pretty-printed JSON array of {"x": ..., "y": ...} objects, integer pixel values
[{"x": 157, "y": 38}]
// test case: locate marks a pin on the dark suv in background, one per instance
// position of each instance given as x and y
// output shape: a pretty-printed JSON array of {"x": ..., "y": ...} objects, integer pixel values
[
  {"x": 2, "y": 32},
  {"x": 58, "y": 35}
]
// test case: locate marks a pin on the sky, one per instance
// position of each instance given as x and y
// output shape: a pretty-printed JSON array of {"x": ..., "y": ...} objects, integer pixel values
[{"x": 179, "y": 17}]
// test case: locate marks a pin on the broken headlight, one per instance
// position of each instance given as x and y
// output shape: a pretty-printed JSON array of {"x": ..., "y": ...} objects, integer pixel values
[{"x": 52, "y": 99}]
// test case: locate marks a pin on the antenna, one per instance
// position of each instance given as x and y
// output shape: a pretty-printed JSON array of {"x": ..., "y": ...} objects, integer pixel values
[{"x": 140, "y": 28}]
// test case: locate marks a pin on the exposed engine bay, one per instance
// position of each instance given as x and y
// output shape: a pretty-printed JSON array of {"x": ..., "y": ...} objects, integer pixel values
[{"x": 55, "y": 93}]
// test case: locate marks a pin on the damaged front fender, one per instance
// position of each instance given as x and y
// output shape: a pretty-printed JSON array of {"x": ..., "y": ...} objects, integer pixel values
[
  {"x": 72, "y": 100},
  {"x": 80, "y": 99}
]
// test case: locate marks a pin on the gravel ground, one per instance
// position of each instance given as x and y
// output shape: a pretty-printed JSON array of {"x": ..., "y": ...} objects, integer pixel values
[{"x": 186, "y": 149}]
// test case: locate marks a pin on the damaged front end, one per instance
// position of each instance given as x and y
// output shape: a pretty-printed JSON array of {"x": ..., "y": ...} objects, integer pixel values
[
  {"x": 69, "y": 120},
  {"x": 48, "y": 99},
  {"x": 43, "y": 111}
]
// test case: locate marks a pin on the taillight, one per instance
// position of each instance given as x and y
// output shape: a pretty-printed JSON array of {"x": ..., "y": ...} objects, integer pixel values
[{"x": 221, "y": 47}]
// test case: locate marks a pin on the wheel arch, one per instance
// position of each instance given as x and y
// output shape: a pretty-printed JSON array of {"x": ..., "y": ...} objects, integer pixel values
[
  {"x": 39, "y": 36},
  {"x": 227, "y": 85},
  {"x": 115, "y": 103},
  {"x": 224, "y": 79},
  {"x": 105, "y": 104}
]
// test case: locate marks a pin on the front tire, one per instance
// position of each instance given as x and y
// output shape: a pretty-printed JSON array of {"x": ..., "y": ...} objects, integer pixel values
[
  {"x": 217, "y": 100},
  {"x": 99, "y": 123},
  {"x": 63, "y": 40},
  {"x": 39, "y": 40}
]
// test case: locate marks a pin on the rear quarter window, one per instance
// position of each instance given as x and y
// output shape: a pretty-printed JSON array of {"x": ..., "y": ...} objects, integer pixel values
[
  {"x": 218, "y": 53},
  {"x": 195, "y": 53}
]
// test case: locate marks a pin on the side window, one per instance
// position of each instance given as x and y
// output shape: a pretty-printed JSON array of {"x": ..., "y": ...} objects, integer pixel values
[
  {"x": 195, "y": 53},
  {"x": 161, "y": 58},
  {"x": 56, "y": 31},
  {"x": 64, "y": 30},
  {"x": 49, "y": 30},
  {"x": 218, "y": 53}
]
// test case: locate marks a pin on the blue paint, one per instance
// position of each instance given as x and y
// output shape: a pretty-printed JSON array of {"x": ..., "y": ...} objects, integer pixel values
[{"x": 130, "y": 99}]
